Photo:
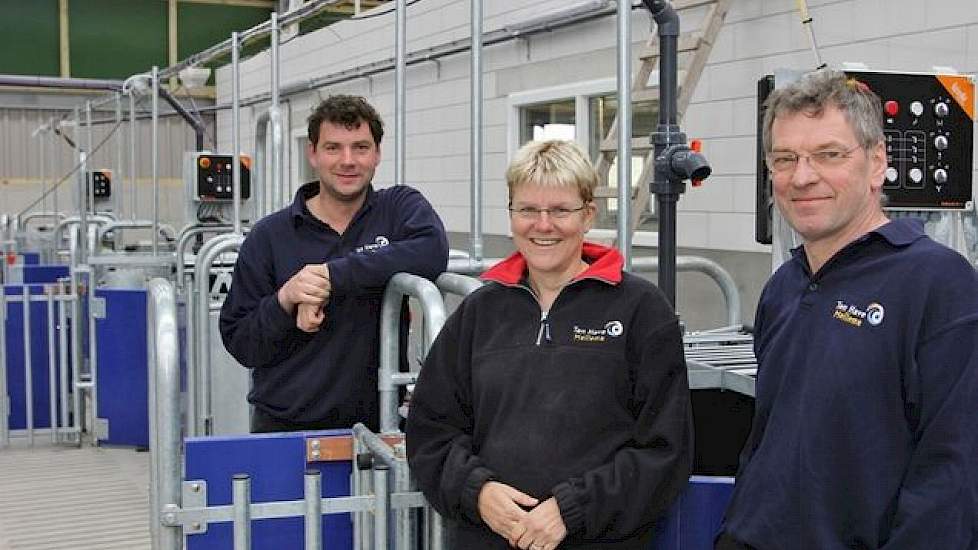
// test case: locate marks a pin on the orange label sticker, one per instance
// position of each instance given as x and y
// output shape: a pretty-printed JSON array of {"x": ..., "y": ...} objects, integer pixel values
[{"x": 962, "y": 89}]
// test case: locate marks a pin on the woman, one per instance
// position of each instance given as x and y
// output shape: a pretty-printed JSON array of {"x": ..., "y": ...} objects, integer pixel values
[{"x": 553, "y": 408}]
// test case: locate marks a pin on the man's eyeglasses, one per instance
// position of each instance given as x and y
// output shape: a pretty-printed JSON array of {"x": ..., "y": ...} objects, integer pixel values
[
  {"x": 533, "y": 213},
  {"x": 785, "y": 162}
]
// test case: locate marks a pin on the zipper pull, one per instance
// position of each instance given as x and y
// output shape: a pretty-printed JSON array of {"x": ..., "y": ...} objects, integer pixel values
[{"x": 544, "y": 332}]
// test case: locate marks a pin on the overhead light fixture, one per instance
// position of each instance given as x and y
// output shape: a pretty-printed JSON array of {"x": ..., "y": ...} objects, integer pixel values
[{"x": 194, "y": 78}]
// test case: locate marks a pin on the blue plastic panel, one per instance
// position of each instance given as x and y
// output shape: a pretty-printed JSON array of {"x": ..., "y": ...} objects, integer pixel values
[
  {"x": 45, "y": 273},
  {"x": 276, "y": 464},
  {"x": 122, "y": 371},
  {"x": 31, "y": 258},
  {"x": 694, "y": 519},
  {"x": 16, "y": 378}
]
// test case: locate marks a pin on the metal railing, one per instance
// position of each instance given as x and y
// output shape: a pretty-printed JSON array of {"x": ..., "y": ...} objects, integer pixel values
[
  {"x": 456, "y": 283},
  {"x": 433, "y": 310},
  {"x": 63, "y": 396},
  {"x": 163, "y": 363},
  {"x": 199, "y": 363},
  {"x": 184, "y": 240},
  {"x": 373, "y": 493}
]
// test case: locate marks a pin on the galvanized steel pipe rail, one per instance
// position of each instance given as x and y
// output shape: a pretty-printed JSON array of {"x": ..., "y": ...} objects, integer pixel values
[
  {"x": 55, "y": 331},
  {"x": 163, "y": 362},
  {"x": 433, "y": 310},
  {"x": 183, "y": 241},
  {"x": 199, "y": 335}
]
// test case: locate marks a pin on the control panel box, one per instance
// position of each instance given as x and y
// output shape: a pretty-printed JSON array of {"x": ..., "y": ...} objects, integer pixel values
[
  {"x": 211, "y": 177},
  {"x": 208, "y": 180},
  {"x": 101, "y": 182},
  {"x": 928, "y": 127}
]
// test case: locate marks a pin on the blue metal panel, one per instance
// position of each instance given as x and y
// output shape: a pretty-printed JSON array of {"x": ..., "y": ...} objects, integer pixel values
[
  {"x": 16, "y": 380},
  {"x": 31, "y": 258},
  {"x": 122, "y": 371},
  {"x": 44, "y": 273},
  {"x": 693, "y": 520},
  {"x": 276, "y": 464}
]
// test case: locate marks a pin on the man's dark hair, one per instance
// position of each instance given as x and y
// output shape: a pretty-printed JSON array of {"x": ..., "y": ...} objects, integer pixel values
[{"x": 349, "y": 111}]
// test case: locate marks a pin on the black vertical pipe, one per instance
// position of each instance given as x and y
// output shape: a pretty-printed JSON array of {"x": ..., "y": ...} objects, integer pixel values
[
  {"x": 196, "y": 123},
  {"x": 665, "y": 185}
]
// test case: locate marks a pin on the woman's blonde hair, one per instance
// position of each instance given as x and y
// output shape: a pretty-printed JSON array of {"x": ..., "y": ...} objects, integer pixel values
[{"x": 552, "y": 163}]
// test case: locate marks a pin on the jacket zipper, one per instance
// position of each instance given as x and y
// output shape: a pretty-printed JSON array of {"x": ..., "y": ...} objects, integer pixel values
[
  {"x": 543, "y": 334},
  {"x": 544, "y": 331}
]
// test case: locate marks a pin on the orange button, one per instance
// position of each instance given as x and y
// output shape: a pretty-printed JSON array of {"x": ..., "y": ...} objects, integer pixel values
[{"x": 204, "y": 162}]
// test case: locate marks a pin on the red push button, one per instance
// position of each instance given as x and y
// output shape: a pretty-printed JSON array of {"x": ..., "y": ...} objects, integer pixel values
[{"x": 891, "y": 108}]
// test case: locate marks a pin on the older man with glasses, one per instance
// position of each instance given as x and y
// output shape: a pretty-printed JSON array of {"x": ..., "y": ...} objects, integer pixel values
[{"x": 867, "y": 385}]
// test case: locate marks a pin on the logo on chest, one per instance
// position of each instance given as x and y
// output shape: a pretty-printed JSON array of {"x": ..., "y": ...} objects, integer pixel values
[
  {"x": 379, "y": 242},
  {"x": 611, "y": 329},
  {"x": 854, "y": 316}
]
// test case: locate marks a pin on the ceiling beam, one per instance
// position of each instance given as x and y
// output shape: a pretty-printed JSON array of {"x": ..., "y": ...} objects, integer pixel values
[
  {"x": 269, "y": 4},
  {"x": 64, "y": 55}
]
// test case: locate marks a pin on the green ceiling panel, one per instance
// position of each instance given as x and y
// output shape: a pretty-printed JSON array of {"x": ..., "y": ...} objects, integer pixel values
[
  {"x": 29, "y": 37},
  {"x": 116, "y": 38}
]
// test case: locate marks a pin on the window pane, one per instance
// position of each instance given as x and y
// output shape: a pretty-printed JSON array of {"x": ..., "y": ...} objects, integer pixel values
[
  {"x": 603, "y": 110},
  {"x": 550, "y": 120},
  {"x": 645, "y": 117}
]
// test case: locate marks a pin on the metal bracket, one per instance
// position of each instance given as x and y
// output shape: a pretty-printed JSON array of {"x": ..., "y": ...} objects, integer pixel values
[
  {"x": 101, "y": 428},
  {"x": 97, "y": 305},
  {"x": 194, "y": 497}
]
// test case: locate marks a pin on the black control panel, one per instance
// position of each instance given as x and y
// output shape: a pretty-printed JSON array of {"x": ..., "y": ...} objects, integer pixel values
[
  {"x": 214, "y": 177},
  {"x": 928, "y": 126},
  {"x": 101, "y": 182}
]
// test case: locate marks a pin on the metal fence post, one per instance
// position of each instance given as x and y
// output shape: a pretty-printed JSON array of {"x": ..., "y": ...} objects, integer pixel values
[
  {"x": 314, "y": 509},
  {"x": 4, "y": 398},
  {"x": 52, "y": 366},
  {"x": 241, "y": 499},
  {"x": 381, "y": 505},
  {"x": 63, "y": 358},
  {"x": 164, "y": 411},
  {"x": 28, "y": 382}
]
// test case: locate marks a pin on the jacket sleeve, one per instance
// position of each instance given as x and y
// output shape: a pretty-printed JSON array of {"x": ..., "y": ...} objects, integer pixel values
[
  {"x": 627, "y": 494},
  {"x": 254, "y": 327},
  {"x": 419, "y": 247},
  {"x": 937, "y": 498},
  {"x": 439, "y": 429}
]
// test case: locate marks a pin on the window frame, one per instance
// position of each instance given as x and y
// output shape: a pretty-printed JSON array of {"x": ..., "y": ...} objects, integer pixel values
[{"x": 582, "y": 92}]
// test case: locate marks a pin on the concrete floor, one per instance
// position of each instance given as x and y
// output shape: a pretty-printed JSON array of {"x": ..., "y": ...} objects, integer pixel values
[{"x": 89, "y": 498}]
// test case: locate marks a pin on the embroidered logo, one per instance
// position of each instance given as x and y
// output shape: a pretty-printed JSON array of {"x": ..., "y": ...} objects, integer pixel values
[
  {"x": 612, "y": 329},
  {"x": 874, "y": 314},
  {"x": 379, "y": 242},
  {"x": 855, "y": 316}
]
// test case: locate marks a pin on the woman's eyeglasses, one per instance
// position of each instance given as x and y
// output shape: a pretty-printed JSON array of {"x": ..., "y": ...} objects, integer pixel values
[{"x": 556, "y": 213}]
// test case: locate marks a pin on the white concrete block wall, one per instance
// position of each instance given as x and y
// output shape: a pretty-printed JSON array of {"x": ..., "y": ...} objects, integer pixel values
[{"x": 758, "y": 37}]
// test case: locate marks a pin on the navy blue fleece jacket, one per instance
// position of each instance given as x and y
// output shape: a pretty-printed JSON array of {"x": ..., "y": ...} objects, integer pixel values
[
  {"x": 867, "y": 395},
  {"x": 329, "y": 376}
]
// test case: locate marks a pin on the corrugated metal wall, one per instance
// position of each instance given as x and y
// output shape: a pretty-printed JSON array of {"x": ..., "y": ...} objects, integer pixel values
[{"x": 31, "y": 161}]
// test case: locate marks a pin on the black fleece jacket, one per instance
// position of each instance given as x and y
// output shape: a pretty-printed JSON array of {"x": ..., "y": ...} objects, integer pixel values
[{"x": 588, "y": 403}]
